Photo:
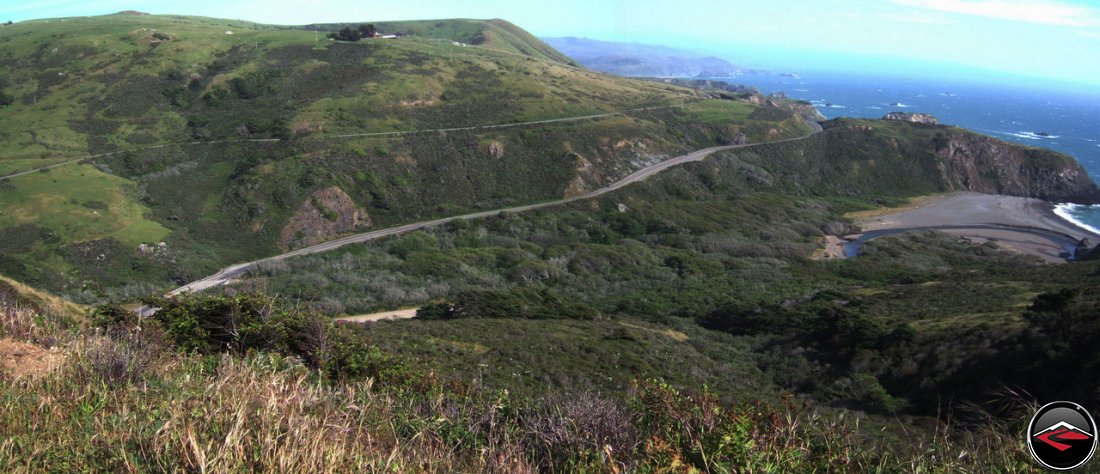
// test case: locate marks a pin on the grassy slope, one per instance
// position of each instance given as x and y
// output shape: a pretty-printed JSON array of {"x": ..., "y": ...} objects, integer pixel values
[
  {"x": 106, "y": 84},
  {"x": 21, "y": 294},
  {"x": 733, "y": 230}
]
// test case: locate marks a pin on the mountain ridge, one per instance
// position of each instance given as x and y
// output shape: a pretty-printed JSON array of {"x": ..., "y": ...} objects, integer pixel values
[{"x": 643, "y": 60}]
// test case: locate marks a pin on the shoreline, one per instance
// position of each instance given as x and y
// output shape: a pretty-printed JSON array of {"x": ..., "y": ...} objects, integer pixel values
[
  {"x": 1062, "y": 211},
  {"x": 1025, "y": 225},
  {"x": 966, "y": 208}
]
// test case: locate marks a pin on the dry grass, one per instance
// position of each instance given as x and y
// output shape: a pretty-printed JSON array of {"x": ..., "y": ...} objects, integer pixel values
[
  {"x": 913, "y": 203},
  {"x": 264, "y": 413},
  {"x": 125, "y": 401}
]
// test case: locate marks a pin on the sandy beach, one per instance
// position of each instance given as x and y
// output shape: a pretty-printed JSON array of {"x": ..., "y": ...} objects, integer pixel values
[{"x": 964, "y": 209}]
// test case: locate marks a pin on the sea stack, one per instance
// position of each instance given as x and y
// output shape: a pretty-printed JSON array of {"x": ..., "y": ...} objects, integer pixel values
[{"x": 911, "y": 117}]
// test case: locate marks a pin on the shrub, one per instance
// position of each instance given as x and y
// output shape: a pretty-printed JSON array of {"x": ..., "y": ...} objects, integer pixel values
[
  {"x": 565, "y": 432},
  {"x": 116, "y": 360},
  {"x": 245, "y": 323}
]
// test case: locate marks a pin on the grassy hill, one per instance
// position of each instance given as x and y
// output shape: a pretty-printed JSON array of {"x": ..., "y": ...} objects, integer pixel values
[
  {"x": 672, "y": 325},
  {"x": 725, "y": 245},
  {"x": 495, "y": 34},
  {"x": 229, "y": 141}
]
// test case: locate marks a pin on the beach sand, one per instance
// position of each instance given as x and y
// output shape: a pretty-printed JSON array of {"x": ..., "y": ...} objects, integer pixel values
[{"x": 960, "y": 209}]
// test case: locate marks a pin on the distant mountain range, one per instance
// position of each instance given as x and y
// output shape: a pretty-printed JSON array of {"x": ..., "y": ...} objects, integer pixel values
[{"x": 643, "y": 60}]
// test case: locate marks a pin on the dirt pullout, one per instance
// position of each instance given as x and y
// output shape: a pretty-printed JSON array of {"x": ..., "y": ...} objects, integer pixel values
[
  {"x": 20, "y": 359},
  {"x": 385, "y": 315},
  {"x": 975, "y": 209}
]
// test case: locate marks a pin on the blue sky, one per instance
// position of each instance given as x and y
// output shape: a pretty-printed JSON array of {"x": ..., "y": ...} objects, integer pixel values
[{"x": 1052, "y": 39}]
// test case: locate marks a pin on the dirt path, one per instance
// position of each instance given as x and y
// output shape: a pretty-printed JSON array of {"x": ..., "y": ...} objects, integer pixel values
[
  {"x": 385, "y": 315},
  {"x": 834, "y": 249},
  {"x": 345, "y": 136}
]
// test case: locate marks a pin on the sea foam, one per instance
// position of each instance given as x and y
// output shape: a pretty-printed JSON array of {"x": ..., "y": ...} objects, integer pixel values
[
  {"x": 1029, "y": 135},
  {"x": 1078, "y": 213}
]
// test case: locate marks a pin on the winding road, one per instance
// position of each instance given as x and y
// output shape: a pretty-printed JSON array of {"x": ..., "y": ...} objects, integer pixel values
[{"x": 237, "y": 270}]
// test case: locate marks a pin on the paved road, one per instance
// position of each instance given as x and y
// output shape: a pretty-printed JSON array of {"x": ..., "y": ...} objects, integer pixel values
[{"x": 237, "y": 270}]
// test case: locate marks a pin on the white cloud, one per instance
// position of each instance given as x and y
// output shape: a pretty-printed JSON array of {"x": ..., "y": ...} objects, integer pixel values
[{"x": 1045, "y": 12}]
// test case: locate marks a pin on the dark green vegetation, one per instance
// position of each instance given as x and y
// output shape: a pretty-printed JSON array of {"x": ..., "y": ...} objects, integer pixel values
[
  {"x": 348, "y": 33},
  {"x": 597, "y": 293},
  {"x": 250, "y": 383},
  {"x": 178, "y": 101},
  {"x": 582, "y": 337}
]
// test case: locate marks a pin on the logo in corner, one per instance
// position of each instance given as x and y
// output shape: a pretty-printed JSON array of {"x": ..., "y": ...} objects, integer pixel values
[{"x": 1062, "y": 436}]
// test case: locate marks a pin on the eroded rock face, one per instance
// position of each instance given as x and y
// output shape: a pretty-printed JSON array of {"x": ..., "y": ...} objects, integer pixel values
[
  {"x": 806, "y": 110},
  {"x": 982, "y": 164},
  {"x": 326, "y": 213},
  {"x": 911, "y": 117},
  {"x": 496, "y": 150}
]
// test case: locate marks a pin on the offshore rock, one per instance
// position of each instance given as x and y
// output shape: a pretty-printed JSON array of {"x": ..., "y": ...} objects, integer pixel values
[{"x": 912, "y": 118}]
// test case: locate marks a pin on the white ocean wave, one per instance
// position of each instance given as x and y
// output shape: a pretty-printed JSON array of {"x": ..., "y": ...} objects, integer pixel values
[
  {"x": 1029, "y": 135},
  {"x": 1019, "y": 135},
  {"x": 1066, "y": 211},
  {"x": 899, "y": 104},
  {"x": 834, "y": 106},
  {"x": 874, "y": 108}
]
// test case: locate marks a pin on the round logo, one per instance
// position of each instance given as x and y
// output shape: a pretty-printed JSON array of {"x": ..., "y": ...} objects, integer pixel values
[{"x": 1062, "y": 436}]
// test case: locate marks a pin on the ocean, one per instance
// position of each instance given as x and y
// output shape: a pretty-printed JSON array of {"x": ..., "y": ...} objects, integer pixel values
[{"x": 1066, "y": 122}]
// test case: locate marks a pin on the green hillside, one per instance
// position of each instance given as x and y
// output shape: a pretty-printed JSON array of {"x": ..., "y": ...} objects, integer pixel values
[
  {"x": 222, "y": 145},
  {"x": 678, "y": 324},
  {"x": 494, "y": 34}
]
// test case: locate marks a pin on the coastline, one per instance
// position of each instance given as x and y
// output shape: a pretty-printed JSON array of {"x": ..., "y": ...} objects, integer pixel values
[
  {"x": 1063, "y": 210},
  {"x": 966, "y": 208},
  {"x": 1026, "y": 225}
]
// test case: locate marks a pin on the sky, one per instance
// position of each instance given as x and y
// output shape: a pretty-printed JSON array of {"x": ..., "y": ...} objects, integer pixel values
[{"x": 1055, "y": 40}]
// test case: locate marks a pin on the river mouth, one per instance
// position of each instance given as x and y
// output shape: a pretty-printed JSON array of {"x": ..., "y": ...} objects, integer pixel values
[{"x": 1066, "y": 244}]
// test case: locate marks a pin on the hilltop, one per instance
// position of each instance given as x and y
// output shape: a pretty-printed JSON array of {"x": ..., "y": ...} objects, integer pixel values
[
  {"x": 681, "y": 322},
  {"x": 229, "y": 141}
]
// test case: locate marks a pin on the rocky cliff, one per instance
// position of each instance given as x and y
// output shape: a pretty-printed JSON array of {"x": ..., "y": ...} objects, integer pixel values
[
  {"x": 916, "y": 158},
  {"x": 911, "y": 117},
  {"x": 326, "y": 213},
  {"x": 973, "y": 162}
]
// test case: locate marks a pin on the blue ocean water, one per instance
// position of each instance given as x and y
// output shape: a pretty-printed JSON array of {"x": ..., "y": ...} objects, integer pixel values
[{"x": 1067, "y": 122}]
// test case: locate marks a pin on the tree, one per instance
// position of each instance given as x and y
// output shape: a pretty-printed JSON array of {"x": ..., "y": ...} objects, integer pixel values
[
  {"x": 6, "y": 99},
  {"x": 348, "y": 33}
]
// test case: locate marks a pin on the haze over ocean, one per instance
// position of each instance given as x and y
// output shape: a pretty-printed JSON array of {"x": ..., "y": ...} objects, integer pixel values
[{"x": 1015, "y": 112}]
